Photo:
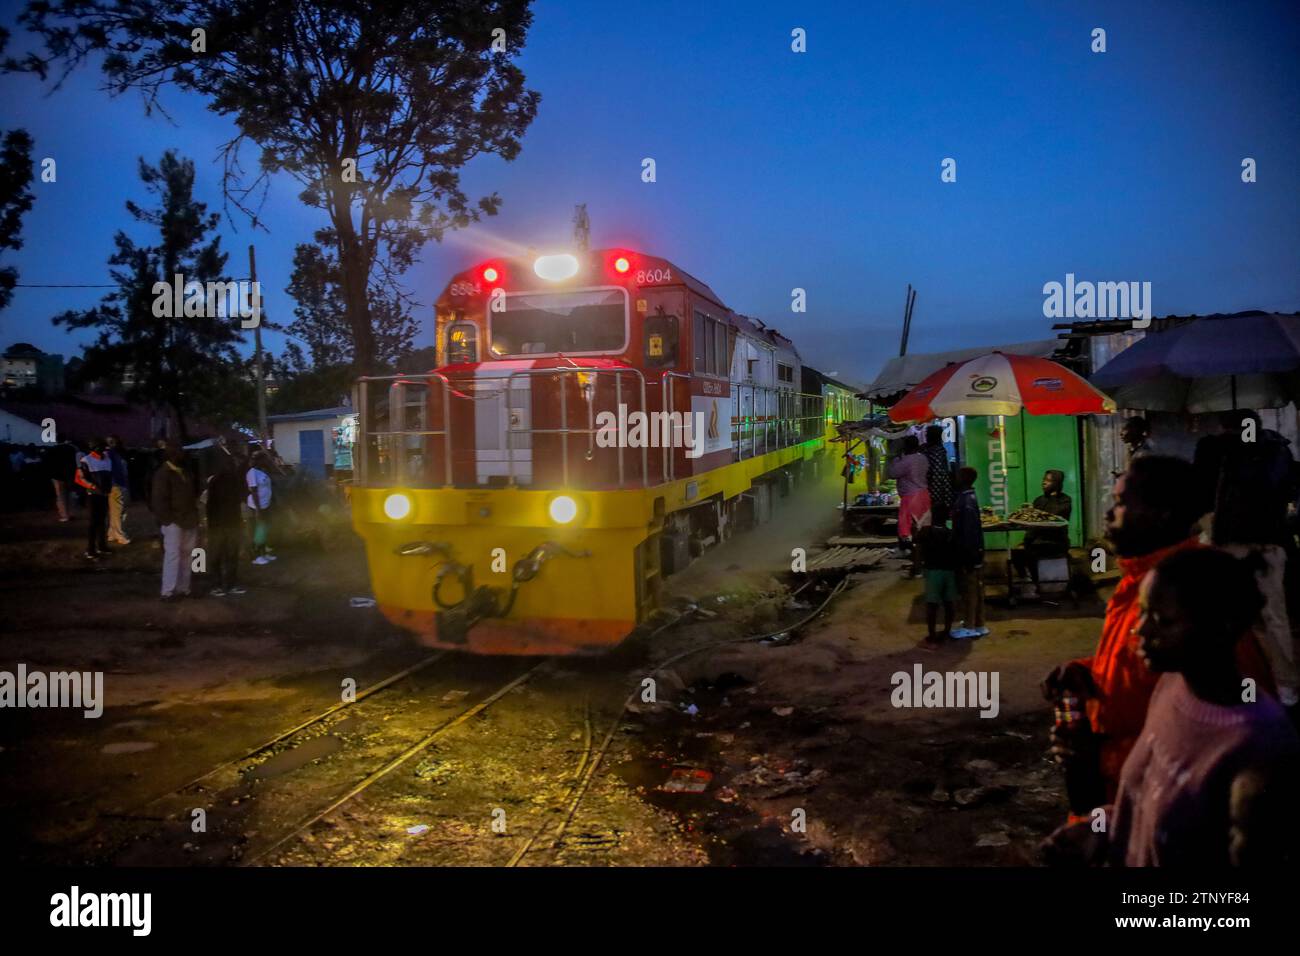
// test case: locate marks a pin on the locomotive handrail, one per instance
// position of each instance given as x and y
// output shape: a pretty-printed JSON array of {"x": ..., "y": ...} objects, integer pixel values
[
  {"x": 566, "y": 431},
  {"x": 666, "y": 399},
  {"x": 738, "y": 420},
  {"x": 743, "y": 428},
  {"x": 397, "y": 414}
]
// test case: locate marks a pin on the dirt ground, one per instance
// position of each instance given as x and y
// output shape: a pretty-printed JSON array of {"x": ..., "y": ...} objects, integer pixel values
[{"x": 751, "y": 753}]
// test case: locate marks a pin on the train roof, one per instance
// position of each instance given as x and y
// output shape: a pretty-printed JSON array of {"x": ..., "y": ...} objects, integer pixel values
[
  {"x": 596, "y": 261},
  {"x": 827, "y": 380},
  {"x": 758, "y": 329}
]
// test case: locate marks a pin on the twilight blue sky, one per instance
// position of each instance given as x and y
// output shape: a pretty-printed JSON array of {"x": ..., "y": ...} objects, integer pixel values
[{"x": 819, "y": 170}]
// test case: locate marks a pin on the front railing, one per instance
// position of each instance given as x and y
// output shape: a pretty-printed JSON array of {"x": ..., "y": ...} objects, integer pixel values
[
  {"x": 391, "y": 453},
  {"x": 587, "y": 380},
  {"x": 398, "y": 445}
]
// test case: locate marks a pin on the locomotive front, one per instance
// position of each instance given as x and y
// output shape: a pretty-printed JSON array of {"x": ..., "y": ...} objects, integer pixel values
[{"x": 493, "y": 518}]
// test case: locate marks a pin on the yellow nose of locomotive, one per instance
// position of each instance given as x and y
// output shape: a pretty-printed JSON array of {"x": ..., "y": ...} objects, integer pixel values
[{"x": 507, "y": 570}]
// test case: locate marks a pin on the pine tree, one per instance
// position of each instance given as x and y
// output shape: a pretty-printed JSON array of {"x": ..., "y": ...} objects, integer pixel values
[
  {"x": 15, "y": 200},
  {"x": 15, "y": 193},
  {"x": 176, "y": 361}
]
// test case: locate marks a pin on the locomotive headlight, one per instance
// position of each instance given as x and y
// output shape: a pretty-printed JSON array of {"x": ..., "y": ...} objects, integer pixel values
[
  {"x": 563, "y": 509},
  {"x": 397, "y": 506},
  {"x": 556, "y": 268}
]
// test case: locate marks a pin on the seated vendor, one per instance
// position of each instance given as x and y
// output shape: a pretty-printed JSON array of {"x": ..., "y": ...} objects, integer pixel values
[{"x": 1045, "y": 543}]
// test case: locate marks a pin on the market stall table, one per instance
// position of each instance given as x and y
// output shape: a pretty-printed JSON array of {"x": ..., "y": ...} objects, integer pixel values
[
  {"x": 1006, "y": 526},
  {"x": 873, "y": 521}
]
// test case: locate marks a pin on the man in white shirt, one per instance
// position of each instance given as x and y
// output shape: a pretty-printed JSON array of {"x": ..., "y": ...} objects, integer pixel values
[{"x": 259, "y": 501}]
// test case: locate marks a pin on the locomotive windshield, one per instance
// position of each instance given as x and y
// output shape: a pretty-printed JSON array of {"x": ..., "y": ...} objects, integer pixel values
[{"x": 542, "y": 323}]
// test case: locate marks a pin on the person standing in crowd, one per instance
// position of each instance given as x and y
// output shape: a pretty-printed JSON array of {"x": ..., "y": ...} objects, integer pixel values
[
  {"x": 259, "y": 502},
  {"x": 1152, "y": 517},
  {"x": 968, "y": 534},
  {"x": 938, "y": 549},
  {"x": 1211, "y": 780},
  {"x": 225, "y": 522},
  {"x": 117, "y": 498},
  {"x": 1045, "y": 543},
  {"x": 25, "y": 464},
  {"x": 1136, "y": 434},
  {"x": 176, "y": 507},
  {"x": 1207, "y": 461},
  {"x": 909, "y": 470},
  {"x": 95, "y": 477},
  {"x": 938, "y": 475},
  {"x": 61, "y": 469},
  {"x": 1252, "y": 489}
]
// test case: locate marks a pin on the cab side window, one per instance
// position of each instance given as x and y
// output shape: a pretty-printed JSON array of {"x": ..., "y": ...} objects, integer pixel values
[
  {"x": 661, "y": 340},
  {"x": 462, "y": 343},
  {"x": 712, "y": 346}
]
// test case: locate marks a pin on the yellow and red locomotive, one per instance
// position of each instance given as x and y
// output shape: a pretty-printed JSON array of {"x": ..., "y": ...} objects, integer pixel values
[{"x": 593, "y": 421}]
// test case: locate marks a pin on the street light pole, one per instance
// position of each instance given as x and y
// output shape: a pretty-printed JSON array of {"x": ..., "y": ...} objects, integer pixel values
[{"x": 257, "y": 349}]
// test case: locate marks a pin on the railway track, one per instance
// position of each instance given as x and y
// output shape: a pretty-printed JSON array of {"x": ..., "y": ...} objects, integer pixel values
[
  {"x": 235, "y": 783},
  {"x": 396, "y": 762},
  {"x": 592, "y": 761},
  {"x": 544, "y": 841}
]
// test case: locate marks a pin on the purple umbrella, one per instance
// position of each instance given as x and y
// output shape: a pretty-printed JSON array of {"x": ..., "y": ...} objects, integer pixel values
[{"x": 1213, "y": 363}]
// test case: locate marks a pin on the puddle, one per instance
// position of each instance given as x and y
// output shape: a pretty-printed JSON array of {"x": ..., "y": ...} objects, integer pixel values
[
  {"x": 300, "y": 756},
  {"x": 128, "y": 747},
  {"x": 131, "y": 724},
  {"x": 348, "y": 725}
]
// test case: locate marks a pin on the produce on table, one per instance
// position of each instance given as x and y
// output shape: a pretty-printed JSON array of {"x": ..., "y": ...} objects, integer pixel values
[{"x": 1031, "y": 515}]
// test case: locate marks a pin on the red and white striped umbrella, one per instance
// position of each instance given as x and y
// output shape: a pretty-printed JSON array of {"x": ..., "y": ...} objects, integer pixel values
[{"x": 1001, "y": 384}]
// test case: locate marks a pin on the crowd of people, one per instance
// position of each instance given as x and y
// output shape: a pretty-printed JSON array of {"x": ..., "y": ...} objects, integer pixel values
[
  {"x": 227, "y": 499},
  {"x": 939, "y": 528},
  {"x": 232, "y": 484},
  {"x": 1178, "y": 734}
]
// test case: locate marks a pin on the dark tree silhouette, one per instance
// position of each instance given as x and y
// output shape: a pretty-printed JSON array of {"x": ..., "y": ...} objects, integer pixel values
[
  {"x": 320, "y": 316},
  {"x": 15, "y": 200},
  {"x": 178, "y": 361},
  {"x": 374, "y": 106},
  {"x": 15, "y": 193}
]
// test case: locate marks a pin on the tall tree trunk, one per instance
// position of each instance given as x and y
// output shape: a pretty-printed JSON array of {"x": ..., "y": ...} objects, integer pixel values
[
  {"x": 354, "y": 267},
  {"x": 182, "y": 425}
]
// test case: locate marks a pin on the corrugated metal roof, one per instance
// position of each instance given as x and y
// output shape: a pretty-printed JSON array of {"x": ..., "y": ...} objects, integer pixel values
[{"x": 315, "y": 414}]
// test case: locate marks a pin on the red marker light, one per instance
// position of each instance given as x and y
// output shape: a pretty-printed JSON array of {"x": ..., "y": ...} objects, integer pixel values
[
  {"x": 621, "y": 264},
  {"x": 490, "y": 274}
]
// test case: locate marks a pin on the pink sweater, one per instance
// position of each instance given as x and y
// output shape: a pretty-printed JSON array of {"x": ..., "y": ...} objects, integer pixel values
[
  {"x": 1172, "y": 805},
  {"x": 910, "y": 470}
]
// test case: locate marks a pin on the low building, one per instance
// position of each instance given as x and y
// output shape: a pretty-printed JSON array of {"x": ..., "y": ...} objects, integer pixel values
[
  {"x": 18, "y": 430},
  {"x": 25, "y": 367},
  {"x": 80, "y": 418},
  {"x": 317, "y": 442}
]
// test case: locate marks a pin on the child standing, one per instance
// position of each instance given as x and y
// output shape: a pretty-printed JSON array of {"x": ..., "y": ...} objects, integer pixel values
[
  {"x": 939, "y": 557},
  {"x": 969, "y": 534},
  {"x": 259, "y": 502}
]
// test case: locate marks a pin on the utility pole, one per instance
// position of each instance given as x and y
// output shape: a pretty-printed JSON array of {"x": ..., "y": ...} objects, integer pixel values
[
  {"x": 581, "y": 227},
  {"x": 907, "y": 319},
  {"x": 257, "y": 348}
]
